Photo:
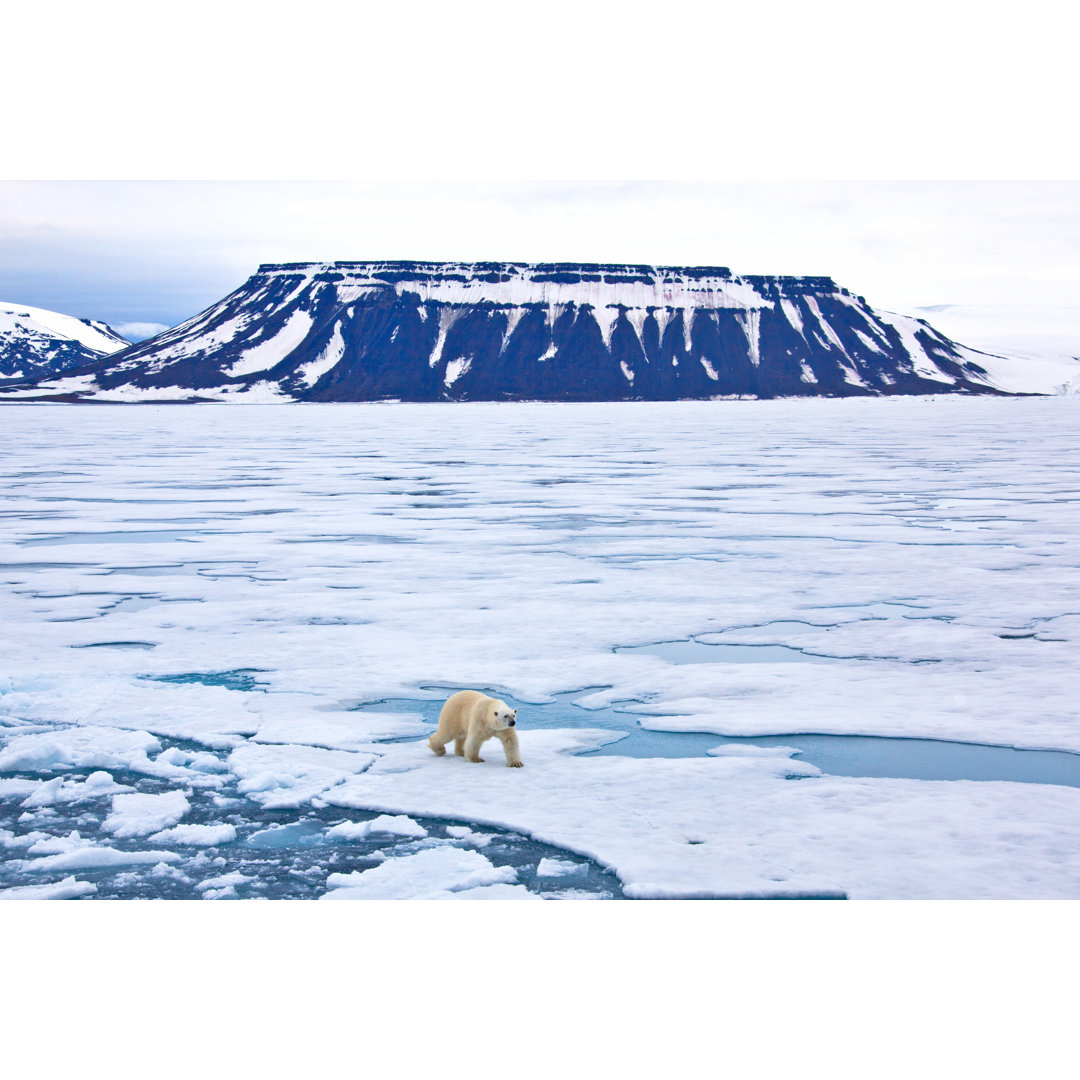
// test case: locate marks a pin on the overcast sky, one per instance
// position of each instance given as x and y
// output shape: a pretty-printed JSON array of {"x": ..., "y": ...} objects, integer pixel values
[
  {"x": 790, "y": 138},
  {"x": 158, "y": 252}
]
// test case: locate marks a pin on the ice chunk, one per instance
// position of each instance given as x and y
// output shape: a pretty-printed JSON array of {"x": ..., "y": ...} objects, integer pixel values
[
  {"x": 139, "y": 814},
  {"x": 745, "y": 750},
  {"x": 224, "y": 881},
  {"x": 395, "y": 824},
  {"x": 196, "y": 835},
  {"x": 561, "y": 868},
  {"x": 53, "y": 845},
  {"x": 8, "y": 839},
  {"x": 67, "y": 889},
  {"x": 17, "y": 785},
  {"x": 45, "y": 794},
  {"x": 488, "y": 892},
  {"x": 58, "y": 790},
  {"x": 95, "y": 857},
  {"x": 463, "y": 832},
  {"x": 198, "y": 760},
  {"x": 425, "y": 875},
  {"x": 80, "y": 747}
]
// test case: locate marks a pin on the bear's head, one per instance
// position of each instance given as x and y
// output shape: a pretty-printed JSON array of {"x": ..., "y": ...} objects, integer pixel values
[{"x": 502, "y": 716}]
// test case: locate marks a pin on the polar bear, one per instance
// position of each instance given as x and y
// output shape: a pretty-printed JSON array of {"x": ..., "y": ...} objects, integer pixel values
[{"x": 470, "y": 718}]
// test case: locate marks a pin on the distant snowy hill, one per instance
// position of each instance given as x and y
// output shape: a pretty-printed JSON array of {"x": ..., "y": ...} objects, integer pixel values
[
  {"x": 1044, "y": 342},
  {"x": 370, "y": 331},
  {"x": 35, "y": 342}
]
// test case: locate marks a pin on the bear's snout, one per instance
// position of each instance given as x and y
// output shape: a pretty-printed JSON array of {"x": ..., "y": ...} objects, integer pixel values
[{"x": 511, "y": 722}]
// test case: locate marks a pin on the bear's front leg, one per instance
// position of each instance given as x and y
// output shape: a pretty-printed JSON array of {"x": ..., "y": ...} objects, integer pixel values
[
  {"x": 510, "y": 745},
  {"x": 459, "y": 746},
  {"x": 472, "y": 748}
]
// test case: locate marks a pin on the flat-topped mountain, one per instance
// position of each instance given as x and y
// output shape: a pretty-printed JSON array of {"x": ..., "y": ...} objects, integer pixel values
[{"x": 413, "y": 331}]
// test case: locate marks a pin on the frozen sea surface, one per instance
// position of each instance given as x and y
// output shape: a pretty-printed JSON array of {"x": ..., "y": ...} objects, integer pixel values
[{"x": 227, "y": 631}]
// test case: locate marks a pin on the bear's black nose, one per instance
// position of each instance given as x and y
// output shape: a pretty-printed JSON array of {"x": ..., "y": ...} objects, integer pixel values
[{"x": 513, "y": 722}]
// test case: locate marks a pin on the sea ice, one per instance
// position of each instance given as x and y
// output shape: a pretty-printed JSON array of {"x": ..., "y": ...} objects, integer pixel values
[
  {"x": 290, "y": 775},
  {"x": 141, "y": 814},
  {"x": 67, "y": 889},
  {"x": 45, "y": 844},
  {"x": 487, "y": 892},
  {"x": 224, "y": 881},
  {"x": 561, "y": 868},
  {"x": 93, "y": 857},
  {"x": 195, "y": 835},
  {"x": 426, "y": 875},
  {"x": 58, "y": 790},
  {"x": 397, "y": 825},
  {"x": 737, "y": 828},
  {"x": 351, "y": 731},
  {"x": 84, "y": 747},
  {"x": 357, "y": 557},
  {"x": 471, "y": 836}
]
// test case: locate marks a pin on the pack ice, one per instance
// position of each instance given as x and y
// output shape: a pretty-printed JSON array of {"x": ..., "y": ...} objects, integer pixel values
[{"x": 228, "y": 630}]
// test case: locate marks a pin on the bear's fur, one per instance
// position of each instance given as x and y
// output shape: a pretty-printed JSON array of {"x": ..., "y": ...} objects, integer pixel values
[{"x": 470, "y": 718}]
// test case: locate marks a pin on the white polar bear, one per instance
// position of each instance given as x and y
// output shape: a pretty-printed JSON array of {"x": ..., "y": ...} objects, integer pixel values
[{"x": 470, "y": 718}]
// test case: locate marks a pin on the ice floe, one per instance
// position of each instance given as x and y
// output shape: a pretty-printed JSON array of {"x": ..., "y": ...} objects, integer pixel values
[
  {"x": 67, "y": 889},
  {"x": 427, "y": 875},
  {"x": 394, "y": 824},
  {"x": 141, "y": 814}
]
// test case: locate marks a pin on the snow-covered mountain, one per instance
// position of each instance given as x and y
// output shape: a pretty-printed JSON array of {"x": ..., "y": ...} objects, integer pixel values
[
  {"x": 369, "y": 331},
  {"x": 1043, "y": 340},
  {"x": 35, "y": 342}
]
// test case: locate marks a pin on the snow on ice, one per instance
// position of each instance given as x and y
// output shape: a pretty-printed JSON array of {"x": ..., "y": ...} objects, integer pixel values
[
  {"x": 428, "y": 875},
  {"x": 395, "y": 824},
  {"x": 228, "y": 630},
  {"x": 142, "y": 814}
]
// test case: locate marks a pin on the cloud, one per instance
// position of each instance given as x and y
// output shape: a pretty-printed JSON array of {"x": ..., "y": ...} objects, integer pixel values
[{"x": 139, "y": 331}]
